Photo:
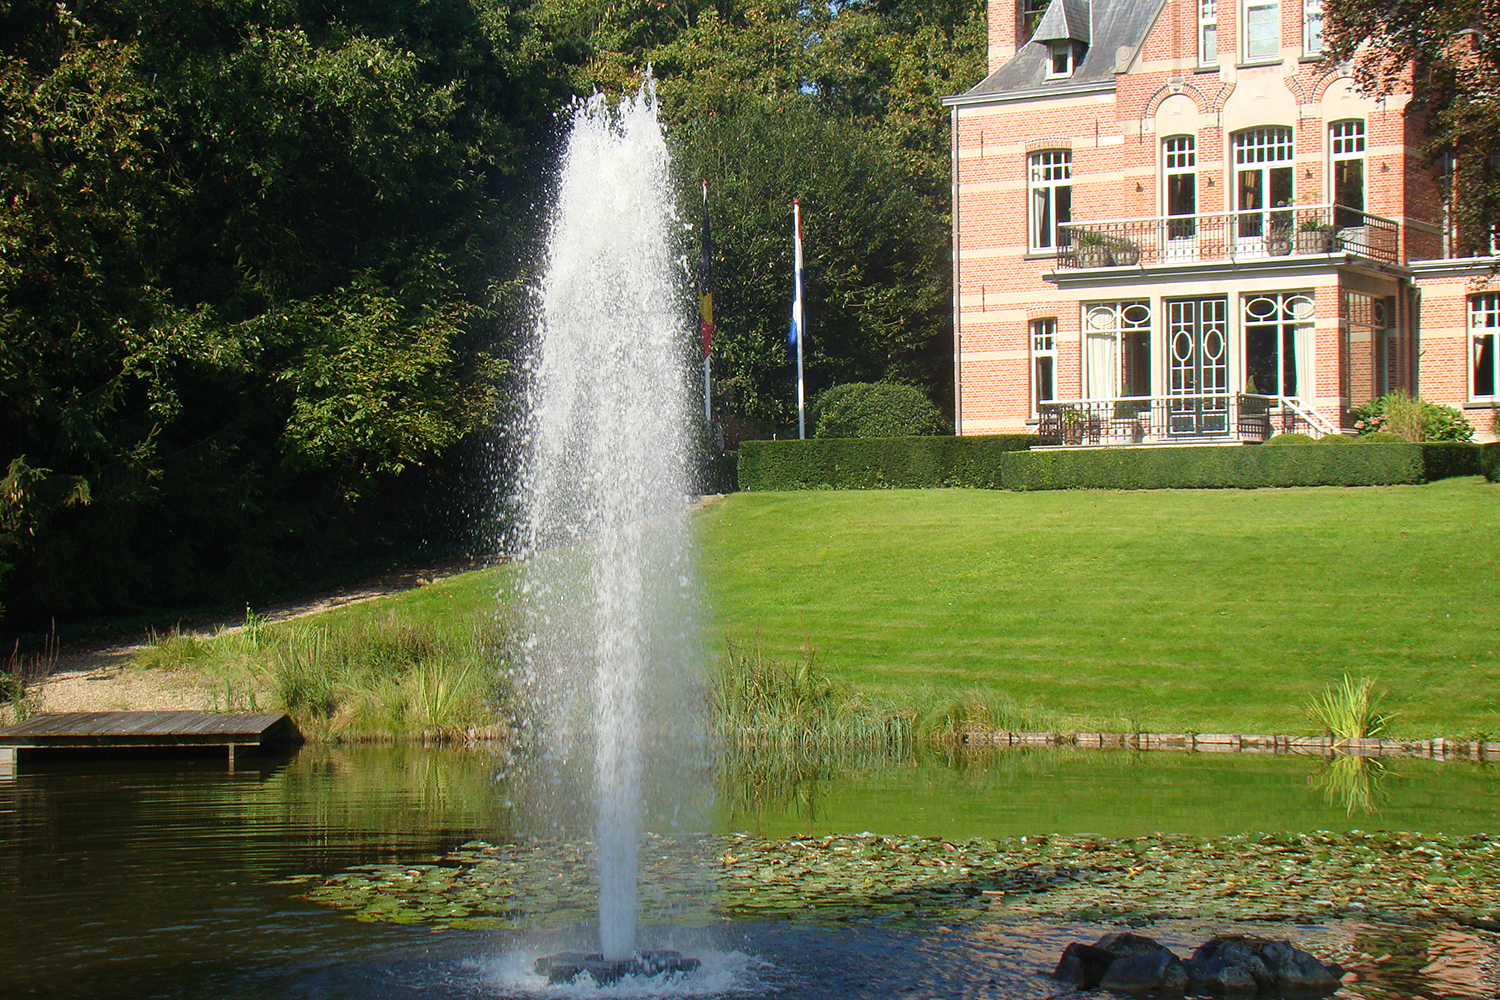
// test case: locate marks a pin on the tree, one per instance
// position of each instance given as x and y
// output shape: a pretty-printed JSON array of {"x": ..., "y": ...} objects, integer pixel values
[{"x": 1448, "y": 56}]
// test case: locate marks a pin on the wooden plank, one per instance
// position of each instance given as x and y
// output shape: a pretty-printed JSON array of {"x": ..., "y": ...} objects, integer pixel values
[{"x": 84, "y": 729}]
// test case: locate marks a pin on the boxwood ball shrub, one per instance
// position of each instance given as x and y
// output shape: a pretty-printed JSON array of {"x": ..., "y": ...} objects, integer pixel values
[
  {"x": 1291, "y": 438},
  {"x": 876, "y": 410},
  {"x": 1335, "y": 439}
]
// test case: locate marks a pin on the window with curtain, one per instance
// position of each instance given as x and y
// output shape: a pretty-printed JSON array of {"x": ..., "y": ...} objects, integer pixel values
[
  {"x": 1262, "y": 29},
  {"x": 1117, "y": 349},
  {"x": 1279, "y": 328},
  {"x": 1043, "y": 362},
  {"x": 1050, "y": 197},
  {"x": 1263, "y": 180},
  {"x": 1484, "y": 360}
]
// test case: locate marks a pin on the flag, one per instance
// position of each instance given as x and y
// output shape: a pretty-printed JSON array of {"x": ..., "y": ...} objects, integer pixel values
[
  {"x": 706, "y": 281},
  {"x": 796, "y": 331}
]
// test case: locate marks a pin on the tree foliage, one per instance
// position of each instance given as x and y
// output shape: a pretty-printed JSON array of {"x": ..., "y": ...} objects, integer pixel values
[
  {"x": 263, "y": 266},
  {"x": 1448, "y": 56}
]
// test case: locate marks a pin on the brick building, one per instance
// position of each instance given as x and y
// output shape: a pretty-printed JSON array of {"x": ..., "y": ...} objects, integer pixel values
[{"x": 1173, "y": 222}]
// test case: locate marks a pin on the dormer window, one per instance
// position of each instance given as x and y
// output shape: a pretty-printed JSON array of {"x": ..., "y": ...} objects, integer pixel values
[{"x": 1061, "y": 62}]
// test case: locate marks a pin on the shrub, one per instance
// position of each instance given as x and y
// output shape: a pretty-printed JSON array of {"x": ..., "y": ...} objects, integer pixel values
[
  {"x": 1212, "y": 468},
  {"x": 1447, "y": 459},
  {"x": 1413, "y": 419},
  {"x": 876, "y": 410},
  {"x": 1379, "y": 437},
  {"x": 1335, "y": 439},
  {"x": 1292, "y": 438},
  {"x": 1489, "y": 461},
  {"x": 877, "y": 463}
]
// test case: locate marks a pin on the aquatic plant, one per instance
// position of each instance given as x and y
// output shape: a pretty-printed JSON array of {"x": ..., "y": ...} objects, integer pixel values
[{"x": 1350, "y": 710}]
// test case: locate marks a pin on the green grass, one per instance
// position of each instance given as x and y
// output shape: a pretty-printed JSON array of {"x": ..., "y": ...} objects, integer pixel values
[
  {"x": 1204, "y": 611},
  {"x": 936, "y": 610},
  {"x": 424, "y": 664}
]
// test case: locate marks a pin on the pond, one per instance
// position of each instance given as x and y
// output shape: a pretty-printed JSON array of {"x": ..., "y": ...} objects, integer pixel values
[{"x": 178, "y": 878}]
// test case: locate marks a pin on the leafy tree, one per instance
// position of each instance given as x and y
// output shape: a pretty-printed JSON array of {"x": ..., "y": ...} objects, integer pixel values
[{"x": 1448, "y": 56}]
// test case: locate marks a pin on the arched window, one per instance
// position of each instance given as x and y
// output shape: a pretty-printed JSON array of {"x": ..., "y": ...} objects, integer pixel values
[
  {"x": 1346, "y": 161},
  {"x": 1049, "y": 187}
]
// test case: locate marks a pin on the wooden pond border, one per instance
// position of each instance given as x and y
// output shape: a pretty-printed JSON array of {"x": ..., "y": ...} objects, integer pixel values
[{"x": 1437, "y": 748}]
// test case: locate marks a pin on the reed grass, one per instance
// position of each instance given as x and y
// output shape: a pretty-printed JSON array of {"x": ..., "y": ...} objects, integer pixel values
[
  {"x": 390, "y": 676},
  {"x": 1350, "y": 709}
]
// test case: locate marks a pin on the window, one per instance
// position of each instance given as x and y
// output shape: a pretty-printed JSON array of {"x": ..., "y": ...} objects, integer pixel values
[
  {"x": 1043, "y": 362},
  {"x": 1346, "y": 144},
  {"x": 1061, "y": 62},
  {"x": 1050, "y": 187},
  {"x": 1117, "y": 349},
  {"x": 1484, "y": 330},
  {"x": 1279, "y": 344},
  {"x": 1312, "y": 27},
  {"x": 1263, "y": 180},
  {"x": 1262, "y": 30},
  {"x": 1031, "y": 15},
  {"x": 1208, "y": 33},
  {"x": 1180, "y": 186}
]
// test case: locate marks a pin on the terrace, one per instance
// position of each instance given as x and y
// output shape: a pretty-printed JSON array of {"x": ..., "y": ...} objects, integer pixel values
[{"x": 1329, "y": 231}]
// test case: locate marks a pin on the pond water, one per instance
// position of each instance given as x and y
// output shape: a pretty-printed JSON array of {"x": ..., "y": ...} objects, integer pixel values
[{"x": 167, "y": 878}]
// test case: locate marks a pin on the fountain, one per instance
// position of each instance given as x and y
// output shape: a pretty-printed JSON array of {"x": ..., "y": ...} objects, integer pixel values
[{"x": 608, "y": 640}]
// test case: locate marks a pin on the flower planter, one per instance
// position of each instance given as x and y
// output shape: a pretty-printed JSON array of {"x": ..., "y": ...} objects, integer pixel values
[
  {"x": 1092, "y": 256},
  {"x": 1278, "y": 246},
  {"x": 1313, "y": 241}
]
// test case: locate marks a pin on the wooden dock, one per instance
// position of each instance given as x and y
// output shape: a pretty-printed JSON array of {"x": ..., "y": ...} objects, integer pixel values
[{"x": 112, "y": 730}]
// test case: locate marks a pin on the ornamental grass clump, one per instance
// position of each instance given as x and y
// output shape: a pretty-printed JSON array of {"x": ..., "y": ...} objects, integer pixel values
[{"x": 1350, "y": 710}]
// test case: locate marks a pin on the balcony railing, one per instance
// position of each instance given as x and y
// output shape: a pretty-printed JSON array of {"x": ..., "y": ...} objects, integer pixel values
[
  {"x": 1301, "y": 230},
  {"x": 1180, "y": 419}
]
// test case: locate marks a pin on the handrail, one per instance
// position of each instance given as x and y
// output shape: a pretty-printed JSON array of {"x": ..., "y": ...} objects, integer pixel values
[
  {"x": 1222, "y": 415},
  {"x": 1311, "y": 415},
  {"x": 1325, "y": 206}
]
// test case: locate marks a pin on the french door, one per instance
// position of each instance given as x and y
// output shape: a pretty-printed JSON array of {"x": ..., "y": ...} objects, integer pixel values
[{"x": 1197, "y": 367}]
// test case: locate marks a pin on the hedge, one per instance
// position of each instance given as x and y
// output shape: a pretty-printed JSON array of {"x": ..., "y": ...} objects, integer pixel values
[
  {"x": 876, "y": 463},
  {"x": 1212, "y": 468},
  {"x": 1447, "y": 459},
  {"x": 1005, "y": 462},
  {"x": 1489, "y": 461}
]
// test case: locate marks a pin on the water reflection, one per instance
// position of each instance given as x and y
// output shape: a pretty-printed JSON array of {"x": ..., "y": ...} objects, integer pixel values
[{"x": 1355, "y": 784}]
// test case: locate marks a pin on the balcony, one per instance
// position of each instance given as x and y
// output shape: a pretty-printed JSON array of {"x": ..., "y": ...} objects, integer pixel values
[
  {"x": 1229, "y": 237},
  {"x": 1189, "y": 418}
]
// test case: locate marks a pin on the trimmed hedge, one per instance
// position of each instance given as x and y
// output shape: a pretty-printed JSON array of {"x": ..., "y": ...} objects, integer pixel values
[
  {"x": 1212, "y": 468},
  {"x": 1447, "y": 459},
  {"x": 1005, "y": 462},
  {"x": 877, "y": 463},
  {"x": 1489, "y": 461}
]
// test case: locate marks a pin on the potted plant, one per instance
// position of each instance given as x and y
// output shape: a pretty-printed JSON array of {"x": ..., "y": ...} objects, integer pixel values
[
  {"x": 1126, "y": 254},
  {"x": 1072, "y": 425},
  {"x": 1314, "y": 235},
  {"x": 1090, "y": 249}
]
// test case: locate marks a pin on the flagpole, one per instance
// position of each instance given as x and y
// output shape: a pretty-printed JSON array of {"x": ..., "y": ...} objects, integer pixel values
[
  {"x": 708, "y": 416},
  {"x": 801, "y": 324}
]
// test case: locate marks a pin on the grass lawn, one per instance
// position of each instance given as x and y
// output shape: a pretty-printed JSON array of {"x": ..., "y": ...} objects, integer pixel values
[{"x": 1165, "y": 610}]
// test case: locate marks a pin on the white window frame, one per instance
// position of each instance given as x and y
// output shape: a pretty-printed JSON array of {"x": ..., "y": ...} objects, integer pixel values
[
  {"x": 1112, "y": 322},
  {"x": 1312, "y": 27},
  {"x": 1274, "y": 52},
  {"x": 1179, "y": 158},
  {"x": 1064, "y": 49},
  {"x": 1047, "y": 171},
  {"x": 1484, "y": 334},
  {"x": 1208, "y": 32},
  {"x": 1043, "y": 337}
]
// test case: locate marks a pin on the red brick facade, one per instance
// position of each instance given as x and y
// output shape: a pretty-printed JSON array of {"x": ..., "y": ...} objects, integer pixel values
[{"x": 1374, "y": 304}]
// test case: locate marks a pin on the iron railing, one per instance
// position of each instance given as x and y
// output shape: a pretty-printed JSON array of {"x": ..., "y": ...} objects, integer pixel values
[
  {"x": 1179, "y": 419},
  {"x": 1304, "y": 230}
]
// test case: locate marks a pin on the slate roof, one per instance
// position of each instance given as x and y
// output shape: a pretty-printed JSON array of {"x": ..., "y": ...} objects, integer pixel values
[
  {"x": 1063, "y": 20},
  {"x": 1112, "y": 25}
]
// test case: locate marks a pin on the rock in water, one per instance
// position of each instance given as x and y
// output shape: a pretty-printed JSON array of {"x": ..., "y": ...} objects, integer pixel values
[
  {"x": 1258, "y": 966},
  {"x": 567, "y": 966},
  {"x": 1157, "y": 969},
  {"x": 1083, "y": 965},
  {"x": 1122, "y": 961}
]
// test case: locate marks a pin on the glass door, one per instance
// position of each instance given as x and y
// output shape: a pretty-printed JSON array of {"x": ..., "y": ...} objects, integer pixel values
[
  {"x": 1198, "y": 367},
  {"x": 1263, "y": 184}
]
